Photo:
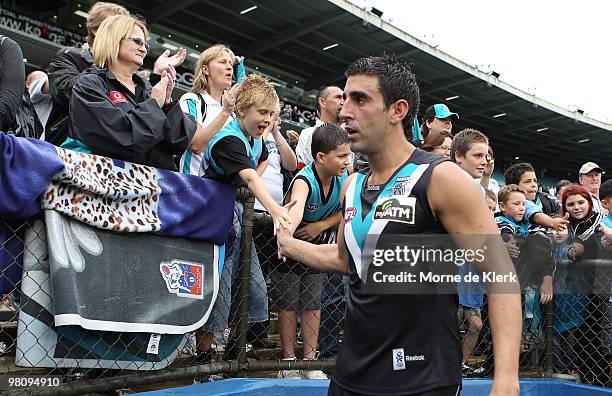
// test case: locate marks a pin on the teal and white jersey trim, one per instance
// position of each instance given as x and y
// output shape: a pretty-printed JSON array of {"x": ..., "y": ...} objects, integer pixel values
[{"x": 361, "y": 233}]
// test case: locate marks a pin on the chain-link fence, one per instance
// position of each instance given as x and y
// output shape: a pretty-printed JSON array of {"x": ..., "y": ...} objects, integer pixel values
[
  {"x": 568, "y": 338},
  {"x": 272, "y": 318}
]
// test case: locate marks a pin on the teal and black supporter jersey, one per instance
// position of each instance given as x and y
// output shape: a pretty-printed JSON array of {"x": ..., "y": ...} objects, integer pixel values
[
  {"x": 395, "y": 343},
  {"x": 509, "y": 226},
  {"x": 317, "y": 207},
  {"x": 229, "y": 152}
]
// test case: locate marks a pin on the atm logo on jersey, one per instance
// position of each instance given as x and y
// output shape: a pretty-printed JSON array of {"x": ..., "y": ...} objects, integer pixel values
[{"x": 395, "y": 208}]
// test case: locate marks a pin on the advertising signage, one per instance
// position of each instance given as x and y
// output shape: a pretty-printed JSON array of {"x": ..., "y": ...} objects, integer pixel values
[{"x": 38, "y": 28}]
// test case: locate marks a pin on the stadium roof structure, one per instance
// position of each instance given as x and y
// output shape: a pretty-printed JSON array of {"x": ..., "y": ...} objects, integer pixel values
[{"x": 312, "y": 42}]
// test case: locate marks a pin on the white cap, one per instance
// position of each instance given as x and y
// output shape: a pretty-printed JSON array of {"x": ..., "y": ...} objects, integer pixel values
[{"x": 589, "y": 166}]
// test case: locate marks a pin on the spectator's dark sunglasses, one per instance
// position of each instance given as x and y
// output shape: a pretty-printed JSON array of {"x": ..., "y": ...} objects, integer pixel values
[{"x": 139, "y": 42}]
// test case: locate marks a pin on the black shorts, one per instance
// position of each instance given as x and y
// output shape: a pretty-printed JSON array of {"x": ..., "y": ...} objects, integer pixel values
[{"x": 453, "y": 390}]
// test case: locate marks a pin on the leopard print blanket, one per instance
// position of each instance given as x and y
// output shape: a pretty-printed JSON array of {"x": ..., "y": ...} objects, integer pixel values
[{"x": 105, "y": 193}]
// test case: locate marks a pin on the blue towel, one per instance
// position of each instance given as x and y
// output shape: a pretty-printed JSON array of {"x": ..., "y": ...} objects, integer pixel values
[
  {"x": 195, "y": 208},
  {"x": 26, "y": 169},
  {"x": 189, "y": 207}
]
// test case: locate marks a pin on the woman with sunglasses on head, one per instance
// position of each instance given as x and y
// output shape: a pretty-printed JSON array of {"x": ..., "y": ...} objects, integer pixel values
[{"x": 115, "y": 113}]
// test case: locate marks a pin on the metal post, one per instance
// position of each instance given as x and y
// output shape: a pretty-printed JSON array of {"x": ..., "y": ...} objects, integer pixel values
[
  {"x": 245, "y": 264},
  {"x": 548, "y": 337},
  {"x": 269, "y": 365}
]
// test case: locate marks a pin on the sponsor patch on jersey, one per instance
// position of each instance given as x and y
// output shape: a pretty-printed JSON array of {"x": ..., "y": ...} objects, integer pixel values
[
  {"x": 349, "y": 214},
  {"x": 183, "y": 278},
  {"x": 400, "y": 189},
  {"x": 117, "y": 97},
  {"x": 395, "y": 208},
  {"x": 399, "y": 362},
  {"x": 402, "y": 179},
  {"x": 311, "y": 207}
]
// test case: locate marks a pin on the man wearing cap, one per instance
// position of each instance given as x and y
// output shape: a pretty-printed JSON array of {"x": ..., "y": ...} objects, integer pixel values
[
  {"x": 438, "y": 118},
  {"x": 590, "y": 178}
]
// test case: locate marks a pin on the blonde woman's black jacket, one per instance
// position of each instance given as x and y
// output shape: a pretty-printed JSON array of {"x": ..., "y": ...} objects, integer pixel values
[
  {"x": 64, "y": 71},
  {"x": 111, "y": 121}
]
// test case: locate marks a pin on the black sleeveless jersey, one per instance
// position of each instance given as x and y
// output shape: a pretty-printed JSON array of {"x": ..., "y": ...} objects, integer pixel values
[{"x": 395, "y": 343}]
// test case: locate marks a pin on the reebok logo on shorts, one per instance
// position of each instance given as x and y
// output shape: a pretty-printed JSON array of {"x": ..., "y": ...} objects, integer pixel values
[{"x": 400, "y": 359}]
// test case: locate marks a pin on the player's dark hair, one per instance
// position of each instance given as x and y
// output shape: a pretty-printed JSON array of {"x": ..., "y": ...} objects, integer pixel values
[{"x": 396, "y": 81}]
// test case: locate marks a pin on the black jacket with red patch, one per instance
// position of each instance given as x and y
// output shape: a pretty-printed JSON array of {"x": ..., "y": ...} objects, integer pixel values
[{"x": 112, "y": 121}]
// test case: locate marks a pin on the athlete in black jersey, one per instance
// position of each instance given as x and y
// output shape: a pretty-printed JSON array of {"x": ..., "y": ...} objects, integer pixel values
[{"x": 405, "y": 344}]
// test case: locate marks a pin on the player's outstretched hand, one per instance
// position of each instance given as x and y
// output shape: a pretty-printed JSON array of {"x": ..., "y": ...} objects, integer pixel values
[
  {"x": 282, "y": 237},
  {"x": 280, "y": 217}
]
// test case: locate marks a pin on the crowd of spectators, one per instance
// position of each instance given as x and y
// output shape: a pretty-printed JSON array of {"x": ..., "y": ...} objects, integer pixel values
[
  {"x": 297, "y": 114},
  {"x": 94, "y": 100}
]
